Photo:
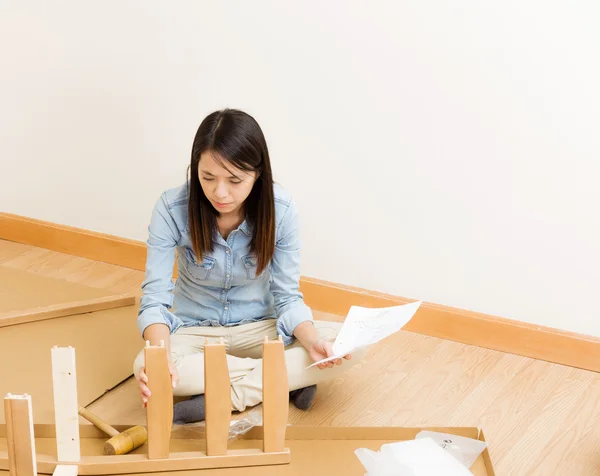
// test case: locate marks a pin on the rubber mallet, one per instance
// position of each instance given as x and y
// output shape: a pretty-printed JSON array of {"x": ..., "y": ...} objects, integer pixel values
[{"x": 119, "y": 443}]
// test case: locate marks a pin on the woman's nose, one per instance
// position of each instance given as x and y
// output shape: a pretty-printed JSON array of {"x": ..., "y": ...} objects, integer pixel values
[{"x": 221, "y": 191}]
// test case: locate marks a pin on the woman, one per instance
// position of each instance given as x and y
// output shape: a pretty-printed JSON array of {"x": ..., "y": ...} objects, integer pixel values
[{"x": 238, "y": 249}]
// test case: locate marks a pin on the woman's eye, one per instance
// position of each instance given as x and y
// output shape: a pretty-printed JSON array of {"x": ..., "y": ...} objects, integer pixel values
[
  {"x": 207, "y": 179},
  {"x": 235, "y": 181}
]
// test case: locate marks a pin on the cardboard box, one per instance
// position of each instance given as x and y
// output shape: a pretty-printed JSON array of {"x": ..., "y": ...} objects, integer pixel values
[
  {"x": 94, "y": 335},
  {"x": 315, "y": 450},
  {"x": 330, "y": 450}
]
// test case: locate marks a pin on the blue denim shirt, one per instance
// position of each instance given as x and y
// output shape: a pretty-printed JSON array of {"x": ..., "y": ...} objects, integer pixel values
[{"x": 222, "y": 287}]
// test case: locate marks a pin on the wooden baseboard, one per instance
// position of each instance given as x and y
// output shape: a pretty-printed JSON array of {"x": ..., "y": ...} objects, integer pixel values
[
  {"x": 528, "y": 340},
  {"x": 506, "y": 335},
  {"x": 73, "y": 241}
]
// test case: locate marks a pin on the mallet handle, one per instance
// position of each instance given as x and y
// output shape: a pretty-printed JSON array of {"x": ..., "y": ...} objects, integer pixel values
[{"x": 98, "y": 422}]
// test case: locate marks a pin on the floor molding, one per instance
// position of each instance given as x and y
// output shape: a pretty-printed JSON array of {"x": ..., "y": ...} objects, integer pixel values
[
  {"x": 73, "y": 241},
  {"x": 528, "y": 340}
]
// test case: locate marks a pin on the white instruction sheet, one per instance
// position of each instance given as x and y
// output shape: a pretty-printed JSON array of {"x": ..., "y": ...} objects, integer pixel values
[{"x": 366, "y": 326}]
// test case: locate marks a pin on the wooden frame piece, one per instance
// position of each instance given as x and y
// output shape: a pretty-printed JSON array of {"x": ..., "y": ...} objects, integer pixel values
[
  {"x": 66, "y": 408},
  {"x": 159, "y": 420},
  {"x": 53, "y": 311},
  {"x": 217, "y": 394},
  {"x": 275, "y": 396},
  {"x": 20, "y": 435},
  {"x": 159, "y": 409},
  {"x": 178, "y": 461}
]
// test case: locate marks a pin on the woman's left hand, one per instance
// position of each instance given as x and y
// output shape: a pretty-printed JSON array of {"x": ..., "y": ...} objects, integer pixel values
[{"x": 323, "y": 349}]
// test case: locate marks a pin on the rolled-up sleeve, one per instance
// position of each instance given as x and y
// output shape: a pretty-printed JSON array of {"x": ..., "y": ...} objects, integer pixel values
[
  {"x": 289, "y": 303},
  {"x": 157, "y": 297}
]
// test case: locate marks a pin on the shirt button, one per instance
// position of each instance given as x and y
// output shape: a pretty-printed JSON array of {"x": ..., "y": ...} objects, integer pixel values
[
  {"x": 227, "y": 251},
  {"x": 227, "y": 275},
  {"x": 226, "y": 307}
]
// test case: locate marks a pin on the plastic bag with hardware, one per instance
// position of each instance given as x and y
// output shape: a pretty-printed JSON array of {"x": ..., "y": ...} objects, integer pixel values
[{"x": 240, "y": 427}]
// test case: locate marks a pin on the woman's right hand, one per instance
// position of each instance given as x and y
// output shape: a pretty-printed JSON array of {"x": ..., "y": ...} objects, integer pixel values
[
  {"x": 156, "y": 334},
  {"x": 143, "y": 382}
]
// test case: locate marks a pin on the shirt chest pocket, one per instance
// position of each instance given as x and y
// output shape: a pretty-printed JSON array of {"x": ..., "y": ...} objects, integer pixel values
[
  {"x": 199, "y": 270},
  {"x": 250, "y": 264}
]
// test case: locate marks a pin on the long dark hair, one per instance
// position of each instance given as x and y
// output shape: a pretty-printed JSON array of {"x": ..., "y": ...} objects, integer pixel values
[{"x": 235, "y": 137}]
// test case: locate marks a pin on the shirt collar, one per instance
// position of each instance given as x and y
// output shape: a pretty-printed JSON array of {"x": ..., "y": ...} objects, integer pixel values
[{"x": 246, "y": 227}]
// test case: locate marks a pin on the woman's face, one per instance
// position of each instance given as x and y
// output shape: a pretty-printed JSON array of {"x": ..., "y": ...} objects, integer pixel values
[{"x": 226, "y": 190}]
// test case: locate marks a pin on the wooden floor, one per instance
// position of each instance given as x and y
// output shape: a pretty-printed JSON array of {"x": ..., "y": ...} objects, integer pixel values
[{"x": 538, "y": 418}]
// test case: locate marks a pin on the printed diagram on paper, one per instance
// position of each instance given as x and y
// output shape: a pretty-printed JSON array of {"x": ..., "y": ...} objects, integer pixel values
[{"x": 366, "y": 326}]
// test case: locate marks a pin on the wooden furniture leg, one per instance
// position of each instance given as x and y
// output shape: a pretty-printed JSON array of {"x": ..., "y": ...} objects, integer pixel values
[
  {"x": 19, "y": 435},
  {"x": 159, "y": 409},
  {"x": 217, "y": 394},
  {"x": 66, "y": 416},
  {"x": 275, "y": 396}
]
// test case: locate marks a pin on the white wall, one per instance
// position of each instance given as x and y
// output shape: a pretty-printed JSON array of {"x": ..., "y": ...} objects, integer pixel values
[{"x": 437, "y": 151}]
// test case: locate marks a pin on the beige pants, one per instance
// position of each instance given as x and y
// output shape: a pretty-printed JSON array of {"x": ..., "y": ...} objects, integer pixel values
[{"x": 244, "y": 352}]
